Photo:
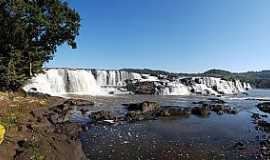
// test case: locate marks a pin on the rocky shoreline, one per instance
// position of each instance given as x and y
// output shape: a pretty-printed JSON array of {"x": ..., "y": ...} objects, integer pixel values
[{"x": 42, "y": 129}]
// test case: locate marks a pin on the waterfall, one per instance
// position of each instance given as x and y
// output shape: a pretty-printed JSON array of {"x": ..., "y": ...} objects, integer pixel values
[
  {"x": 222, "y": 86},
  {"x": 64, "y": 81},
  {"x": 102, "y": 78},
  {"x": 52, "y": 82},
  {"x": 82, "y": 82},
  {"x": 104, "y": 82},
  {"x": 176, "y": 88}
]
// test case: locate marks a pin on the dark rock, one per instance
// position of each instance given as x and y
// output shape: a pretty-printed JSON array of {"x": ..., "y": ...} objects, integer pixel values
[
  {"x": 217, "y": 108},
  {"x": 201, "y": 111},
  {"x": 264, "y": 152},
  {"x": 216, "y": 105},
  {"x": 38, "y": 95},
  {"x": 56, "y": 114},
  {"x": 230, "y": 110},
  {"x": 60, "y": 113},
  {"x": 135, "y": 116},
  {"x": 264, "y": 106},
  {"x": 79, "y": 102},
  {"x": 239, "y": 146},
  {"x": 101, "y": 115},
  {"x": 144, "y": 107},
  {"x": 84, "y": 111},
  {"x": 174, "y": 111},
  {"x": 263, "y": 125},
  {"x": 147, "y": 87},
  {"x": 71, "y": 130},
  {"x": 256, "y": 116}
]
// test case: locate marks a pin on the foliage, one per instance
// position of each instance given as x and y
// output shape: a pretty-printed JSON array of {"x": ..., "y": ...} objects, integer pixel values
[{"x": 30, "y": 32}]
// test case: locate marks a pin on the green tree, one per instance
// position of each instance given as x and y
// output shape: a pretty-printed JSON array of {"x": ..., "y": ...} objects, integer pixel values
[{"x": 31, "y": 31}]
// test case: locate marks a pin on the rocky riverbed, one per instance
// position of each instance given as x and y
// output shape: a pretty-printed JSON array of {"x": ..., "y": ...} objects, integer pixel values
[
  {"x": 135, "y": 127},
  {"x": 177, "y": 128}
]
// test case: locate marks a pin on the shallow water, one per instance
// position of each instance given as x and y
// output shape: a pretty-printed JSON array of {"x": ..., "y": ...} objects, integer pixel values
[{"x": 172, "y": 138}]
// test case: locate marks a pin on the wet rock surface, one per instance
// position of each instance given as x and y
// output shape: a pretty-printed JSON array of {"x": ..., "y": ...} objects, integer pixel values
[
  {"x": 208, "y": 128},
  {"x": 174, "y": 111},
  {"x": 144, "y": 107},
  {"x": 102, "y": 115},
  {"x": 265, "y": 149},
  {"x": 264, "y": 106},
  {"x": 56, "y": 136},
  {"x": 263, "y": 126},
  {"x": 143, "y": 88},
  {"x": 148, "y": 110}
]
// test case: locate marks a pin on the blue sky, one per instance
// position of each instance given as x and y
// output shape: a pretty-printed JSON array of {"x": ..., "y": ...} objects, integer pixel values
[{"x": 173, "y": 35}]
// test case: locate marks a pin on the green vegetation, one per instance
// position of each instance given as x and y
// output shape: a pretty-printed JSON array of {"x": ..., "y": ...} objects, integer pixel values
[{"x": 30, "y": 32}]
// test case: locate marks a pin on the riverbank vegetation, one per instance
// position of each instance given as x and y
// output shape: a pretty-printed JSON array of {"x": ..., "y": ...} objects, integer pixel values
[{"x": 30, "y": 33}]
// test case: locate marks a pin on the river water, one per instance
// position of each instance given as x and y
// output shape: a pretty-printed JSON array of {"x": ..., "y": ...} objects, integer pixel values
[{"x": 173, "y": 138}]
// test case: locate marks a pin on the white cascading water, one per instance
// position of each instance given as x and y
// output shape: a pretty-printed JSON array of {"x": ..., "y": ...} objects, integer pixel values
[
  {"x": 203, "y": 89},
  {"x": 222, "y": 86},
  {"x": 102, "y": 78},
  {"x": 83, "y": 82},
  {"x": 176, "y": 88},
  {"x": 52, "y": 82}
]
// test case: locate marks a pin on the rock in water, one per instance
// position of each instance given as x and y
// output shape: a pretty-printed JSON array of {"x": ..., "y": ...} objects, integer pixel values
[
  {"x": 201, "y": 111},
  {"x": 265, "y": 107},
  {"x": 175, "y": 111},
  {"x": 144, "y": 107},
  {"x": 101, "y": 115}
]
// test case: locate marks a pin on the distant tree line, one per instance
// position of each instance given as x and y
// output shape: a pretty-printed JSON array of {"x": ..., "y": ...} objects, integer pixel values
[{"x": 30, "y": 31}]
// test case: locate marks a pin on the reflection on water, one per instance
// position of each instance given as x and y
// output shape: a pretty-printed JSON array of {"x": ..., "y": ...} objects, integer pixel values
[{"x": 176, "y": 138}]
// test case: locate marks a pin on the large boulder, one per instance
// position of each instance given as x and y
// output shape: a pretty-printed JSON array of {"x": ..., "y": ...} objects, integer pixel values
[
  {"x": 142, "y": 111},
  {"x": 101, "y": 115}
]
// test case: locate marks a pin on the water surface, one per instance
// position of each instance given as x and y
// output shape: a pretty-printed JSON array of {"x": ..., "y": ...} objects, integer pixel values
[{"x": 215, "y": 137}]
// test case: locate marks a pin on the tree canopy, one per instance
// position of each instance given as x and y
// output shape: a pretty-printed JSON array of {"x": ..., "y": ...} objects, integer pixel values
[{"x": 30, "y": 32}]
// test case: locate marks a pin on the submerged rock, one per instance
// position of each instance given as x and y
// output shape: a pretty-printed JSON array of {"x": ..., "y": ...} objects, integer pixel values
[
  {"x": 264, "y": 106},
  {"x": 174, "y": 111},
  {"x": 201, "y": 111}
]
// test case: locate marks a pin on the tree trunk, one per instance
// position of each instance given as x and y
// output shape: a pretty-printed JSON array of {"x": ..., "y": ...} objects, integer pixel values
[{"x": 30, "y": 69}]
